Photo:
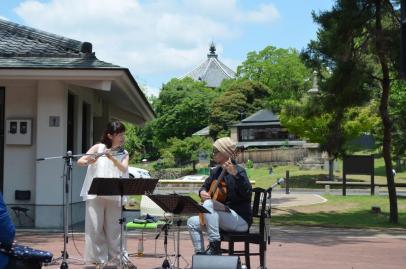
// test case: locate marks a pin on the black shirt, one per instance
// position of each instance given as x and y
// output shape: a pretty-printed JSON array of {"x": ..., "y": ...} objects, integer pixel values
[{"x": 239, "y": 191}]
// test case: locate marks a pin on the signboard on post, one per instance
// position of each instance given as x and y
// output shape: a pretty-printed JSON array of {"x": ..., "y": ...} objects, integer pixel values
[{"x": 358, "y": 165}]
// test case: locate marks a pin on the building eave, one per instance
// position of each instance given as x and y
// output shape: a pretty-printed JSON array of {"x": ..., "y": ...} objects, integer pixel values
[{"x": 121, "y": 76}]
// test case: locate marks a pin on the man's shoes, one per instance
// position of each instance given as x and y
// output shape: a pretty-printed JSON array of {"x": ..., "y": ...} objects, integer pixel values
[
  {"x": 100, "y": 265},
  {"x": 214, "y": 248}
]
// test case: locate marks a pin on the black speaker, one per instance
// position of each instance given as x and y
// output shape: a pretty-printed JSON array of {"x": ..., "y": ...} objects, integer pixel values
[{"x": 218, "y": 262}]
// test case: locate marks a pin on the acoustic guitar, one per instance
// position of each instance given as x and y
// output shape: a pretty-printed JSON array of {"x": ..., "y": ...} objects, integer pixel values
[{"x": 218, "y": 187}]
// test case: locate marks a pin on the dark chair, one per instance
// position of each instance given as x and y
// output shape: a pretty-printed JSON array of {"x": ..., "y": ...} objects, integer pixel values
[
  {"x": 21, "y": 210},
  {"x": 259, "y": 237}
]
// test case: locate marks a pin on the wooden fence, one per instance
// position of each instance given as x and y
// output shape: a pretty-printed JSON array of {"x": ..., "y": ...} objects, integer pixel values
[{"x": 278, "y": 155}]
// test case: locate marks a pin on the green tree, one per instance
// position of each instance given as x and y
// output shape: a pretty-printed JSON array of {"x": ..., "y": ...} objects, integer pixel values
[
  {"x": 183, "y": 107},
  {"x": 281, "y": 70},
  {"x": 398, "y": 115},
  {"x": 309, "y": 121},
  {"x": 358, "y": 41},
  {"x": 133, "y": 143},
  {"x": 150, "y": 145},
  {"x": 187, "y": 150},
  {"x": 239, "y": 97}
]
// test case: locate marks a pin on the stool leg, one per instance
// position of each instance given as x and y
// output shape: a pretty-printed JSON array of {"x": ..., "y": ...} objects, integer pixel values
[
  {"x": 262, "y": 248},
  {"x": 230, "y": 247},
  {"x": 247, "y": 255},
  {"x": 155, "y": 246}
]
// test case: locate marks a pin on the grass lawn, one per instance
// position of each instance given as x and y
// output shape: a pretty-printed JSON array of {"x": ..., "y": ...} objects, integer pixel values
[
  {"x": 307, "y": 178},
  {"x": 342, "y": 211},
  {"x": 301, "y": 178}
]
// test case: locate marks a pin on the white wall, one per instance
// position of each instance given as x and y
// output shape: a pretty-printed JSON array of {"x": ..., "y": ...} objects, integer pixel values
[
  {"x": 234, "y": 134},
  {"x": 52, "y": 101},
  {"x": 19, "y": 161},
  {"x": 81, "y": 95},
  {"x": 51, "y": 141},
  {"x": 39, "y": 100}
]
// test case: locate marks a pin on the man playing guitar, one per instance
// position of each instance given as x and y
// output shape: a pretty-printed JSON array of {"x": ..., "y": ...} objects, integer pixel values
[{"x": 236, "y": 215}]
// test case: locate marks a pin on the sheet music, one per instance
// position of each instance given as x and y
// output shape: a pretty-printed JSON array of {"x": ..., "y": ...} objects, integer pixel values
[{"x": 220, "y": 207}]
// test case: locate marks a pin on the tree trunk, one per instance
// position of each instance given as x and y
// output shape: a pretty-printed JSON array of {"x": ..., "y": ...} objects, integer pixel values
[
  {"x": 398, "y": 163},
  {"x": 383, "y": 109},
  {"x": 330, "y": 168}
]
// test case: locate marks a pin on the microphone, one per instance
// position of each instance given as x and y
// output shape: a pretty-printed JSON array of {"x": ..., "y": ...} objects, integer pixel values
[{"x": 278, "y": 182}]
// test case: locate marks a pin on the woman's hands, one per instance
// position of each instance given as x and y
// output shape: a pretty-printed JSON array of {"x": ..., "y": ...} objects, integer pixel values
[
  {"x": 107, "y": 153},
  {"x": 90, "y": 157}
]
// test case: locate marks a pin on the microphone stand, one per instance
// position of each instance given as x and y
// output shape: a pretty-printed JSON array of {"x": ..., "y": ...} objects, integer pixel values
[
  {"x": 67, "y": 177},
  {"x": 268, "y": 226},
  {"x": 165, "y": 228}
]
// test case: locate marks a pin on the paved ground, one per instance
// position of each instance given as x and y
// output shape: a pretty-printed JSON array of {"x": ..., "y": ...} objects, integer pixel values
[
  {"x": 280, "y": 199},
  {"x": 291, "y": 247}
]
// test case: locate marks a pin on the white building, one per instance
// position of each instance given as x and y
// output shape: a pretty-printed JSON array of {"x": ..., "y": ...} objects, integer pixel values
[
  {"x": 212, "y": 71},
  {"x": 55, "y": 95}
]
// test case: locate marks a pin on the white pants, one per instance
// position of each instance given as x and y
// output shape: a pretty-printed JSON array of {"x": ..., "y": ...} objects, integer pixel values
[
  {"x": 227, "y": 221},
  {"x": 102, "y": 230}
]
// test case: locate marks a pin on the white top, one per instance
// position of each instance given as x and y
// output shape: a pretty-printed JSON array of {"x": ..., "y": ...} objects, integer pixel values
[{"x": 103, "y": 167}]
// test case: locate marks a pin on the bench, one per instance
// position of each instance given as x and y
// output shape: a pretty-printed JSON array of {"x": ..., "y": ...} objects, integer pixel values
[{"x": 328, "y": 183}]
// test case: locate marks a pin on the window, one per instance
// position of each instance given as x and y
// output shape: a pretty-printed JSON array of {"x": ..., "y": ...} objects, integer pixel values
[
  {"x": 71, "y": 123},
  {"x": 264, "y": 133},
  {"x": 85, "y": 127},
  {"x": 2, "y": 104}
]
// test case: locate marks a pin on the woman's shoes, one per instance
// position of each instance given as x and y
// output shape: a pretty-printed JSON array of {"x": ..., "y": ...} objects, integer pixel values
[{"x": 100, "y": 265}]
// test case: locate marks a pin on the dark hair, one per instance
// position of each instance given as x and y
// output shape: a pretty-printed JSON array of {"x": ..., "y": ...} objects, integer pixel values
[{"x": 112, "y": 128}]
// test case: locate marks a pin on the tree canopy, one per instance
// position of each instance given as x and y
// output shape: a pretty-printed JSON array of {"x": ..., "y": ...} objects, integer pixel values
[
  {"x": 281, "y": 70},
  {"x": 183, "y": 107},
  {"x": 239, "y": 99}
]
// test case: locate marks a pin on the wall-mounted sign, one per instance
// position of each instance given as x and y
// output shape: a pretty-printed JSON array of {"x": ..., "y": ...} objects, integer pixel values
[
  {"x": 18, "y": 131},
  {"x": 54, "y": 121}
]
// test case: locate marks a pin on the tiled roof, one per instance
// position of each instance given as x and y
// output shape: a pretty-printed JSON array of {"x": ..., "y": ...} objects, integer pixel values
[
  {"x": 54, "y": 62},
  {"x": 26, "y": 47},
  {"x": 260, "y": 118},
  {"x": 203, "y": 132},
  {"x": 212, "y": 70},
  {"x": 264, "y": 115}
]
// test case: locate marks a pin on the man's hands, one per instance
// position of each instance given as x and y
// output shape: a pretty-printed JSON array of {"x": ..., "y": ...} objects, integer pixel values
[
  {"x": 231, "y": 168},
  {"x": 205, "y": 195}
]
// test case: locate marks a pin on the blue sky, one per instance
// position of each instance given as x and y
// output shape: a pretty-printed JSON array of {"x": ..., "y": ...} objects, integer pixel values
[{"x": 162, "y": 39}]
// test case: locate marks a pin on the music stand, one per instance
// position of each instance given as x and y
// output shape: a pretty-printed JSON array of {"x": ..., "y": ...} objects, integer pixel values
[
  {"x": 177, "y": 205},
  {"x": 121, "y": 187}
]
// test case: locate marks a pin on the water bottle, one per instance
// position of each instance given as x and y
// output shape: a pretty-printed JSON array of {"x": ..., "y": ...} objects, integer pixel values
[{"x": 140, "y": 251}]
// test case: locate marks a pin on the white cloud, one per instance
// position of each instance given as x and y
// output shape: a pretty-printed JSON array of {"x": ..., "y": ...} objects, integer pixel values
[
  {"x": 148, "y": 37},
  {"x": 266, "y": 13},
  {"x": 151, "y": 91},
  {"x": 4, "y": 18}
]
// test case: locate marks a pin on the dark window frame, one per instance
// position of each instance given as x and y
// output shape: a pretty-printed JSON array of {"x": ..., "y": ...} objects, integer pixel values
[
  {"x": 2, "y": 134},
  {"x": 86, "y": 121},
  {"x": 283, "y": 134}
]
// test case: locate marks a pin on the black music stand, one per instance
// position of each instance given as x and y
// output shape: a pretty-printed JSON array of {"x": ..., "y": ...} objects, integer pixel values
[
  {"x": 177, "y": 205},
  {"x": 122, "y": 186}
]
